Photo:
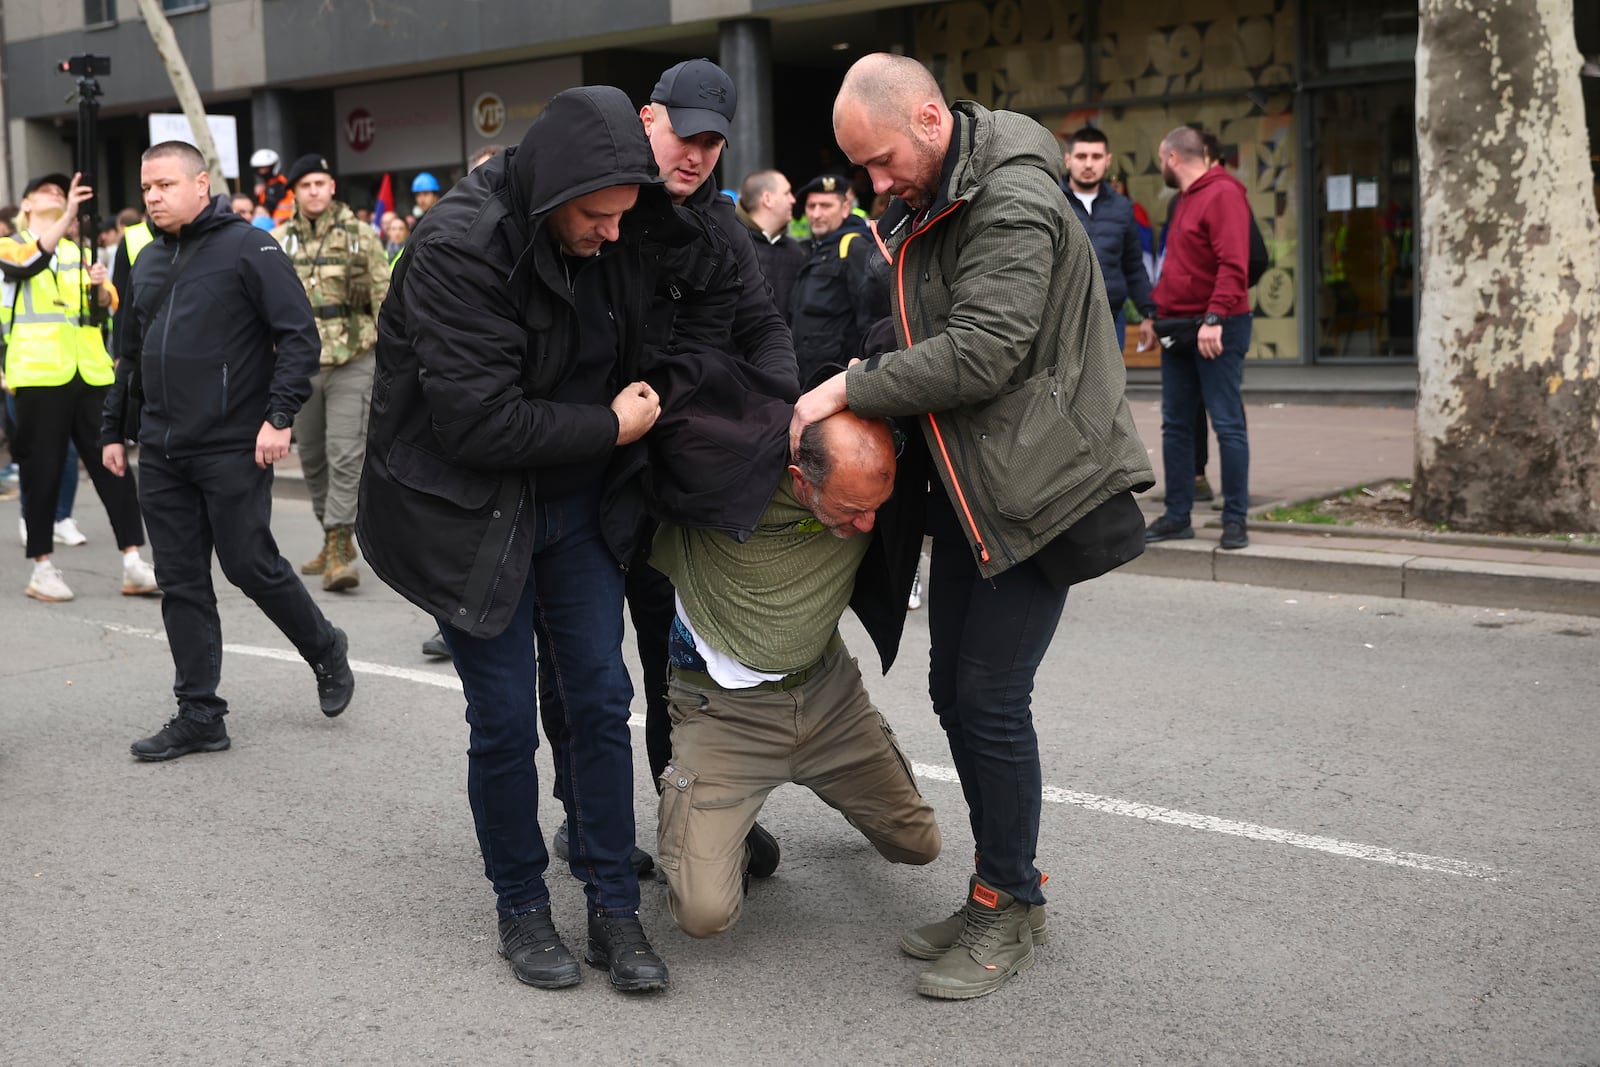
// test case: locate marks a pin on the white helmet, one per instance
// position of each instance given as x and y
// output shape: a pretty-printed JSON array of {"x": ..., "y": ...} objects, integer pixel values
[{"x": 264, "y": 157}]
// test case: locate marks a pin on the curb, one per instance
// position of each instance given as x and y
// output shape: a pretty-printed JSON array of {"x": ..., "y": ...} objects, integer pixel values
[{"x": 1330, "y": 570}]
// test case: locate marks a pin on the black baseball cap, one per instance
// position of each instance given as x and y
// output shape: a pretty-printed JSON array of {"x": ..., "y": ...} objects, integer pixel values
[
  {"x": 60, "y": 181},
  {"x": 308, "y": 164},
  {"x": 699, "y": 97}
]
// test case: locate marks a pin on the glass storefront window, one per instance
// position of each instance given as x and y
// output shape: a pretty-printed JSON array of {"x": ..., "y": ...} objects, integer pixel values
[{"x": 1364, "y": 222}]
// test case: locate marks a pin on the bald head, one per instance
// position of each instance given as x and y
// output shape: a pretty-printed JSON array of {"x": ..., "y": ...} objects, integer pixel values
[
  {"x": 890, "y": 117},
  {"x": 889, "y": 87},
  {"x": 844, "y": 471}
]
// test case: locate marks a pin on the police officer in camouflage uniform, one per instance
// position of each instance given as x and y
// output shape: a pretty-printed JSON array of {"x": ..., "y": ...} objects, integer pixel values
[{"x": 346, "y": 274}]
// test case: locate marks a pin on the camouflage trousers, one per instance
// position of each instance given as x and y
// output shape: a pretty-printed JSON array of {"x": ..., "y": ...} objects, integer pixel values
[{"x": 331, "y": 433}]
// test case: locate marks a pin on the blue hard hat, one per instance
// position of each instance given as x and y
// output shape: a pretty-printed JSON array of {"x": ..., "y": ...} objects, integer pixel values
[{"x": 425, "y": 183}]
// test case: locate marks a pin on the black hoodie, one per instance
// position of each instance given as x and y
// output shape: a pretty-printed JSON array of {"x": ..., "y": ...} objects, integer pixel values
[
  {"x": 478, "y": 330},
  {"x": 234, "y": 342}
]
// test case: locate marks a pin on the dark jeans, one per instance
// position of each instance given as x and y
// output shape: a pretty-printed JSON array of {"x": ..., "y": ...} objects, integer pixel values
[
  {"x": 651, "y": 607},
  {"x": 572, "y": 607},
  {"x": 68, "y": 496},
  {"x": 987, "y": 639},
  {"x": 48, "y": 419},
  {"x": 222, "y": 502},
  {"x": 1188, "y": 382}
]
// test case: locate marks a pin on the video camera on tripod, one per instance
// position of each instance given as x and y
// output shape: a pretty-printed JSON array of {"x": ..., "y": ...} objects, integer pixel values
[{"x": 88, "y": 69}]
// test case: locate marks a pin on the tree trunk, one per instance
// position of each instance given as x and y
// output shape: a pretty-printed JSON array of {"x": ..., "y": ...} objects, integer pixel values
[
  {"x": 1508, "y": 391},
  {"x": 183, "y": 85}
]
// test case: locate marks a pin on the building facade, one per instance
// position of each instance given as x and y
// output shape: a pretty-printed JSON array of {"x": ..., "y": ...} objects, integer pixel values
[{"x": 1313, "y": 101}]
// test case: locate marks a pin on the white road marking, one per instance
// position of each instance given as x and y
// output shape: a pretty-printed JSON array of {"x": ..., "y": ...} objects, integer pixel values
[
  {"x": 1212, "y": 824},
  {"x": 934, "y": 773}
]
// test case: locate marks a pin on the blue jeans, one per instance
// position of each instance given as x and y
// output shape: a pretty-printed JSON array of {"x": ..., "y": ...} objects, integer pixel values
[
  {"x": 987, "y": 638},
  {"x": 572, "y": 607},
  {"x": 1190, "y": 383},
  {"x": 1119, "y": 321}
]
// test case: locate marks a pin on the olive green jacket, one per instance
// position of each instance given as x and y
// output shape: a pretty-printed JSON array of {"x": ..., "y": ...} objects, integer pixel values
[
  {"x": 343, "y": 266},
  {"x": 1006, "y": 339}
]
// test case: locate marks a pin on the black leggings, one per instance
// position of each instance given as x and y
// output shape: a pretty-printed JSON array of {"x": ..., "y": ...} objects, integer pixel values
[{"x": 48, "y": 416}]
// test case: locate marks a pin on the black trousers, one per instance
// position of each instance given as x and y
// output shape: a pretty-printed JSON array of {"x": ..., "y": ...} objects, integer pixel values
[
  {"x": 222, "y": 502},
  {"x": 48, "y": 416}
]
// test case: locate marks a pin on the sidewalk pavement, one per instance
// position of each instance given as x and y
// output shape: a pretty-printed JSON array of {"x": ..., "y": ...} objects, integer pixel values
[{"x": 1308, "y": 451}]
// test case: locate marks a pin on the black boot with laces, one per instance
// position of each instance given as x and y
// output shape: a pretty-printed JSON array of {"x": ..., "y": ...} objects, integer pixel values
[
  {"x": 617, "y": 944},
  {"x": 535, "y": 951},
  {"x": 335, "y": 682}
]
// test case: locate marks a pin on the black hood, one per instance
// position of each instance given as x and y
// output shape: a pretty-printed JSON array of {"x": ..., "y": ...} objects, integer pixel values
[{"x": 586, "y": 139}]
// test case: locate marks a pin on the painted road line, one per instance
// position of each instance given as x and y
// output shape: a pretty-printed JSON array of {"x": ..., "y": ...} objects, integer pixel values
[{"x": 934, "y": 773}]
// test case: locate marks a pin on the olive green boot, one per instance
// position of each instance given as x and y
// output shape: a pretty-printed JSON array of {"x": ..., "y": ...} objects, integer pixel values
[
  {"x": 319, "y": 563},
  {"x": 342, "y": 572},
  {"x": 995, "y": 943},
  {"x": 934, "y": 940}
]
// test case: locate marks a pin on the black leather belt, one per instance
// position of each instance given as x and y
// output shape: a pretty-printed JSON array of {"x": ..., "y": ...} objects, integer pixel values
[
  {"x": 777, "y": 685},
  {"x": 331, "y": 311}
]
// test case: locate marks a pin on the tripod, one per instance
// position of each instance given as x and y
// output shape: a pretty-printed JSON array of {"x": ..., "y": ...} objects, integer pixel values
[{"x": 87, "y": 69}]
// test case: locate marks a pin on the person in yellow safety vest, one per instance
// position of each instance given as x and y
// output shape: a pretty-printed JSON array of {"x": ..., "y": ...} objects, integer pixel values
[
  {"x": 135, "y": 239},
  {"x": 58, "y": 370}
]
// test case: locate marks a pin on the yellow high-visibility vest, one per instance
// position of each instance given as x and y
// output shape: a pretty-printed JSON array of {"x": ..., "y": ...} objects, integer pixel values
[
  {"x": 47, "y": 339},
  {"x": 135, "y": 238}
]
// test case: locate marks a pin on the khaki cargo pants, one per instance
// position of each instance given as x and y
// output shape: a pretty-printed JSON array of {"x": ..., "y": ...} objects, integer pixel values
[
  {"x": 331, "y": 433},
  {"x": 730, "y": 748}
]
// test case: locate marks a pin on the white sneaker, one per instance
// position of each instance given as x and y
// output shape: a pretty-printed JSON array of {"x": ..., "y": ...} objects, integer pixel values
[
  {"x": 138, "y": 577},
  {"x": 67, "y": 533},
  {"x": 47, "y": 584}
]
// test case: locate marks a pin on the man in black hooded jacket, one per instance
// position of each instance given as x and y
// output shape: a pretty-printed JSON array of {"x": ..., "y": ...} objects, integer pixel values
[
  {"x": 501, "y": 491},
  {"x": 220, "y": 342}
]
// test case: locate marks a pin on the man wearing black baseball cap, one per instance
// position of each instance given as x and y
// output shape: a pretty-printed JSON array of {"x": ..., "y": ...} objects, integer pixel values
[{"x": 686, "y": 121}]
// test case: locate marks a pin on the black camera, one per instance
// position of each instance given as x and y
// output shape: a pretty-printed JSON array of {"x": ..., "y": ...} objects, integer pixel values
[{"x": 86, "y": 66}]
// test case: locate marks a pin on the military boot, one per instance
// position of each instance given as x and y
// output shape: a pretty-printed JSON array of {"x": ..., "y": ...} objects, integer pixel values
[
  {"x": 934, "y": 940},
  {"x": 995, "y": 943},
  {"x": 319, "y": 563},
  {"x": 342, "y": 572}
]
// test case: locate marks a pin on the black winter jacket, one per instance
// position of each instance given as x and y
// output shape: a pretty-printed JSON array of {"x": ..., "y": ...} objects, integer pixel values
[
  {"x": 233, "y": 343},
  {"x": 842, "y": 289},
  {"x": 478, "y": 326},
  {"x": 1114, "y": 233}
]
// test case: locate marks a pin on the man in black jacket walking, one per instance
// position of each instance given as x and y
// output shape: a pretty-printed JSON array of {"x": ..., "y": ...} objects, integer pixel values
[
  {"x": 220, "y": 341},
  {"x": 500, "y": 491}
]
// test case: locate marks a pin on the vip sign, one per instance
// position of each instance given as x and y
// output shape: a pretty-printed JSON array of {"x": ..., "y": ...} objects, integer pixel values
[
  {"x": 489, "y": 115},
  {"x": 360, "y": 129}
]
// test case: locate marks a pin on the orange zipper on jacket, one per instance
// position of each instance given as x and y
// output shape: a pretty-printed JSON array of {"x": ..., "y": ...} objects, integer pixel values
[{"x": 938, "y": 435}]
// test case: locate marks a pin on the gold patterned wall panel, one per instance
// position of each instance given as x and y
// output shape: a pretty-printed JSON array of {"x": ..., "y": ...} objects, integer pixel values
[
  {"x": 1023, "y": 55},
  {"x": 1178, "y": 47}
]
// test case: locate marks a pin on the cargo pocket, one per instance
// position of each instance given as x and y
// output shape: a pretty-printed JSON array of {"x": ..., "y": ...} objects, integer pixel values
[
  {"x": 672, "y": 819},
  {"x": 899, "y": 753}
]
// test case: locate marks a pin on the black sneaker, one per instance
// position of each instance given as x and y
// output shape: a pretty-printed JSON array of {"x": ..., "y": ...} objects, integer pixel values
[
  {"x": 181, "y": 736},
  {"x": 617, "y": 944},
  {"x": 435, "y": 648},
  {"x": 1166, "y": 528},
  {"x": 535, "y": 951},
  {"x": 1234, "y": 535},
  {"x": 764, "y": 852},
  {"x": 335, "y": 683},
  {"x": 642, "y": 862}
]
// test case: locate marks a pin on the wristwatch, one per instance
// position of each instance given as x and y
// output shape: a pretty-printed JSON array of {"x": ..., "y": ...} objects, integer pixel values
[
  {"x": 279, "y": 421},
  {"x": 1212, "y": 319}
]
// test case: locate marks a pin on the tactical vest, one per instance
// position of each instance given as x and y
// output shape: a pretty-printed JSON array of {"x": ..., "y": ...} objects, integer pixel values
[
  {"x": 48, "y": 339},
  {"x": 338, "y": 259}
]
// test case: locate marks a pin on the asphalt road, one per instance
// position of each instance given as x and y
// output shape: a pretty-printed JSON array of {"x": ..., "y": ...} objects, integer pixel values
[{"x": 1280, "y": 827}]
